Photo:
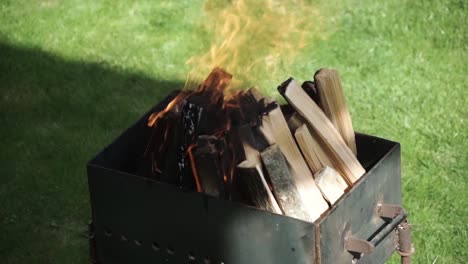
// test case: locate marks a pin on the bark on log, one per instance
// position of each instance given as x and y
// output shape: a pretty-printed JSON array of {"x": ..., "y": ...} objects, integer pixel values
[
  {"x": 252, "y": 181},
  {"x": 283, "y": 184}
]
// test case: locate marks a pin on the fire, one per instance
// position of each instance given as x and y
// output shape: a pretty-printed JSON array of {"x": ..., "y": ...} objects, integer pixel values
[
  {"x": 205, "y": 122},
  {"x": 194, "y": 170},
  {"x": 251, "y": 38},
  {"x": 255, "y": 38},
  {"x": 153, "y": 118}
]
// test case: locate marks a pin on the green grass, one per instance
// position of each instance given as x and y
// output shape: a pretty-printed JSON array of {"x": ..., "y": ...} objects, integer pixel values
[{"x": 74, "y": 74}]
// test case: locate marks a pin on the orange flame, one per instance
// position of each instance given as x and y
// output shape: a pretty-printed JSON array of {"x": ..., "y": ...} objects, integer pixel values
[
  {"x": 153, "y": 118},
  {"x": 255, "y": 38},
  {"x": 194, "y": 169}
]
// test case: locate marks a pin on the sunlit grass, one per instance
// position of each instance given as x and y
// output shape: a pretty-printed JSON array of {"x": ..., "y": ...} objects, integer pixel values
[{"x": 74, "y": 74}]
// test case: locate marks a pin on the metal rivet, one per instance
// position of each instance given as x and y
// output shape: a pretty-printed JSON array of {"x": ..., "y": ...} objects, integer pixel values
[
  {"x": 107, "y": 232},
  {"x": 170, "y": 250},
  {"x": 191, "y": 256},
  {"x": 155, "y": 246}
]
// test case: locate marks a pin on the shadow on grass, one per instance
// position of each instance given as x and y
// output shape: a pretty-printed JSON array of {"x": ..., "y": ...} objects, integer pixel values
[
  {"x": 55, "y": 114},
  {"x": 33, "y": 79}
]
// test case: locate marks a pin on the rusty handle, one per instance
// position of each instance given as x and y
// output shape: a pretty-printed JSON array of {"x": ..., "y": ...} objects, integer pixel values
[{"x": 395, "y": 214}]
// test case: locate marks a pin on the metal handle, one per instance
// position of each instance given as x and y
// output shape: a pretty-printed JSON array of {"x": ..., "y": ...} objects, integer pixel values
[{"x": 395, "y": 214}]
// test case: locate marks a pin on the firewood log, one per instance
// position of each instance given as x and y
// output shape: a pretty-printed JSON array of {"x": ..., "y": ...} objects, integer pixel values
[
  {"x": 311, "y": 89},
  {"x": 206, "y": 166},
  {"x": 284, "y": 188},
  {"x": 311, "y": 149},
  {"x": 252, "y": 181},
  {"x": 342, "y": 157},
  {"x": 309, "y": 192},
  {"x": 333, "y": 103},
  {"x": 331, "y": 184}
]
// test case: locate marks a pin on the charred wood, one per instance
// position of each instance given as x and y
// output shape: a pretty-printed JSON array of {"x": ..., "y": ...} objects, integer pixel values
[{"x": 207, "y": 166}]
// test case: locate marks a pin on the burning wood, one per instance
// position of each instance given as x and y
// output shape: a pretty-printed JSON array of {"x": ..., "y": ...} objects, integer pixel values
[
  {"x": 239, "y": 146},
  {"x": 205, "y": 160}
]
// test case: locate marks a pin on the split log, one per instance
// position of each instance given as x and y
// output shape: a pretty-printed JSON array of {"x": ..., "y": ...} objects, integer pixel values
[
  {"x": 284, "y": 188},
  {"x": 160, "y": 159},
  {"x": 331, "y": 184},
  {"x": 164, "y": 138},
  {"x": 250, "y": 108},
  {"x": 342, "y": 157},
  {"x": 257, "y": 94},
  {"x": 151, "y": 166},
  {"x": 333, "y": 103},
  {"x": 266, "y": 130},
  {"x": 217, "y": 81},
  {"x": 173, "y": 106},
  {"x": 310, "y": 194},
  {"x": 207, "y": 166},
  {"x": 201, "y": 115},
  {"x": 169, "y": 154},
  {"x": 232, "y": 153},
  {"x": 251, "y": 180},
  {"x": 295, "y": 121},
  {"x": 190, "y": 119},
  {"x": 251, "y": 135},
  {"x": 308, "y": 148},
  {"x": 311, "y": 89},
  {"x": 315, "y": 156}
]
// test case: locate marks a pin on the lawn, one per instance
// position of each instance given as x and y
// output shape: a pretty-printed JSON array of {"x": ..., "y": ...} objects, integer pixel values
[{"x": 74, "y": 74}]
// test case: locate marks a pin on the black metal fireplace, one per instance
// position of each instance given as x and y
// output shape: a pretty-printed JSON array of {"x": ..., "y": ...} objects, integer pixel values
[{"x": 140, "y": 220}]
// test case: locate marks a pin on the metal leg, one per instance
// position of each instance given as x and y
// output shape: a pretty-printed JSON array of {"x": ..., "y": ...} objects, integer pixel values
[
  {"x": 92, "y": 244},
  {"x": 405, "y": 248}
]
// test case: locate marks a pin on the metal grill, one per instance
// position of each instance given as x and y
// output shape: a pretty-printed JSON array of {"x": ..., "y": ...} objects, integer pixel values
[{"x": 139, "y": 220}]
